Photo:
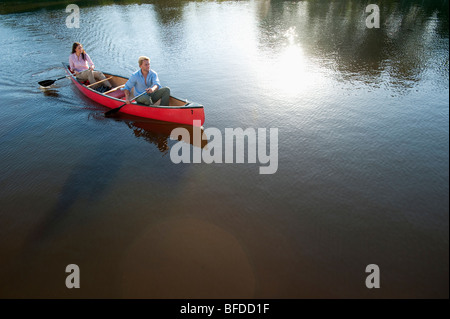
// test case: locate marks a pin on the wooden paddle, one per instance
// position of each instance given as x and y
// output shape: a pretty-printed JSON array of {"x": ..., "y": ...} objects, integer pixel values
[
  {"x": 50, "y": 82},
  {"x": 113, "y": 111}
]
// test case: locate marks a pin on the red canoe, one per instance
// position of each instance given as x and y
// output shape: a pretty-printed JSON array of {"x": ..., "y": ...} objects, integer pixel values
[{"x": 178, "y": 111}]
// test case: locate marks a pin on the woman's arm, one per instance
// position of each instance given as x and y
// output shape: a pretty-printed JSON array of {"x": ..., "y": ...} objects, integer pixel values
[{"x": 89, "y": 61}]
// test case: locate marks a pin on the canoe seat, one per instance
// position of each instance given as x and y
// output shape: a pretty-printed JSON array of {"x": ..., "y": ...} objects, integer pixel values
[
  {"x": 84, "y": 82},
  {"x": 118, "y": 94}
]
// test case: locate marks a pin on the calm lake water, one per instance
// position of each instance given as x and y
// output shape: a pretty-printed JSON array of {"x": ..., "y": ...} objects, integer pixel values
[{"x": 363, "y": 152}]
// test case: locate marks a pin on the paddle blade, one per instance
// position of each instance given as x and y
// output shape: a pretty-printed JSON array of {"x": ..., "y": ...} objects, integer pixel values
[{"x": 46, "y": 82}]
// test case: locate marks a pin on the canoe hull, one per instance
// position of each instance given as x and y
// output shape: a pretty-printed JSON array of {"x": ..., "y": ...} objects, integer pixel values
[{"x": 188, "y": 113}]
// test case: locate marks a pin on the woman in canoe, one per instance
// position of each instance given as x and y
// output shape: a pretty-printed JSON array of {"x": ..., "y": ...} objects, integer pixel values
[{"x": 83, "y": 67}]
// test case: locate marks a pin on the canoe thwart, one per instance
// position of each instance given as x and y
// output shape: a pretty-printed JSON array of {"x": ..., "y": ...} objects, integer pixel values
[
  {"x": 98, "y": 82},
  {"x": 115, "y": 89}
]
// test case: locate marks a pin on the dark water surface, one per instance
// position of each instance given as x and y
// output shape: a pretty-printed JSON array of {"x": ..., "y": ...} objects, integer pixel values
[{"x": 363, "y": 120}]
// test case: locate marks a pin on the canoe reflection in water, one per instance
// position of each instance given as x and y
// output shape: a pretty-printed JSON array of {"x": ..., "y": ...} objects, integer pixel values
[{"x": 157, "y": 132}]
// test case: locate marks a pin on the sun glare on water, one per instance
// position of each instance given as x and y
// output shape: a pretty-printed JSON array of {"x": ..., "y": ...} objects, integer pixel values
[{"x": 289, "y": 70}]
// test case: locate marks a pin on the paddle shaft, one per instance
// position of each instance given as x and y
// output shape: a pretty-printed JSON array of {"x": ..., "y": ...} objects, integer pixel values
[
  {"x": 50, "y": 82},
  {"x": 115, "y": 110},
  {"x": 63, "y": 77}
]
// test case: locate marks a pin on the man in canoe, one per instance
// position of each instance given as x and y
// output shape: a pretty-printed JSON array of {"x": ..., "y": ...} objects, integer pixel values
[{"x": 145, "y": 79}]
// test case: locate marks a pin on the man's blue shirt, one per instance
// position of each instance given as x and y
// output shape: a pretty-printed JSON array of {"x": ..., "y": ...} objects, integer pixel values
[{"x": 137, "y": 81}]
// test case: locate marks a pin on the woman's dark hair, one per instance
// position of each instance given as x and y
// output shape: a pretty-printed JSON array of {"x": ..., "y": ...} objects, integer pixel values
[{"x": 74, "y": 48}]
